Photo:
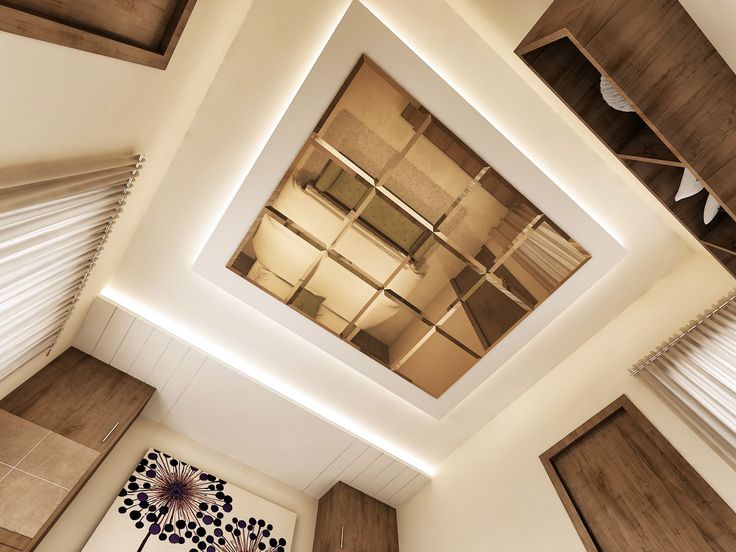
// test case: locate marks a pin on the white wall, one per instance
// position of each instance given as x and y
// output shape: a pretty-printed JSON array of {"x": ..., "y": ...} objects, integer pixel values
[
  {"x": 493, "y": 493},
  {"x": 81, "y": 518},
  {"x": 61, "y": 103}
]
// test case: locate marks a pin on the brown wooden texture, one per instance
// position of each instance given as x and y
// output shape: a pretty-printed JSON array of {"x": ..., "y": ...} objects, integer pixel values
[
  {"x": 81, "y": 398},
  {"x": 683, "y": 92},
  {"x": 12, "y": 541},
  {"x": 141, "y": 31},
  {"x": 363, "y": 523},
  {"x": 626, "y": 488}
]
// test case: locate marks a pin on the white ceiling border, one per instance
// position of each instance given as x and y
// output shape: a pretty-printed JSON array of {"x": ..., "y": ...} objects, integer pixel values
[{"x": 359, "y": 32}]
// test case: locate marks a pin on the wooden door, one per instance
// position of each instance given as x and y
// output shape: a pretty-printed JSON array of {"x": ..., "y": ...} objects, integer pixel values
[
  {"x": 626, "y": 488},
  {"x": 351, "y": 521}
]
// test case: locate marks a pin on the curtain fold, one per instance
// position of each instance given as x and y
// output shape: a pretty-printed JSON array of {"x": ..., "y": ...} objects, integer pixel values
[
  {"x": 54, "y": 220},
  {"x": 696, "y": 374}
]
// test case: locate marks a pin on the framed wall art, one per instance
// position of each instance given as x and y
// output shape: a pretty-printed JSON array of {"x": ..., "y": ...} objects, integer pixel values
[{"x": 168, "y": 505}]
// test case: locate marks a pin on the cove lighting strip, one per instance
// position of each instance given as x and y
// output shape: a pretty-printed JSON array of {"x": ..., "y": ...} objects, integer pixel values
[{"x": 267, "y": 379}]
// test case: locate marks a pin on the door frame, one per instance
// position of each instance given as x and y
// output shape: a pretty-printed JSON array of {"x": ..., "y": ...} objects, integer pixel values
[{"x": 623, "y": 403}]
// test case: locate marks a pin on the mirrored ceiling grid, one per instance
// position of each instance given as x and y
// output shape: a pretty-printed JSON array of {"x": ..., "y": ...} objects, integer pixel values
[{"x": 391, "y": 233}]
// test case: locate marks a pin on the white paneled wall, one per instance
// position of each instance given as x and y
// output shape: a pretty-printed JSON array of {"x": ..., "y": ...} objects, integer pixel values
[{"x": 220, "y": 407}]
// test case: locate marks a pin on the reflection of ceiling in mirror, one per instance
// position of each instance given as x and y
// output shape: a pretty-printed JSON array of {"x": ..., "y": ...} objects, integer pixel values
[{"x": 392, "y": 234}]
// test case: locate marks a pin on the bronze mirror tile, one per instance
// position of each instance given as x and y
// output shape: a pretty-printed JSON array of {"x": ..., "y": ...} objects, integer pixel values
[{"x": 391, "y": 233}]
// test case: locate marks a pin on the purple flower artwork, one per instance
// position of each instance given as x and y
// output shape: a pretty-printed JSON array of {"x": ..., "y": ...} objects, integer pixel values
[
  {"x": 167, "y": 504},
  {"x": 173, "y": 501},
  {"x": 254, "y": 535}
]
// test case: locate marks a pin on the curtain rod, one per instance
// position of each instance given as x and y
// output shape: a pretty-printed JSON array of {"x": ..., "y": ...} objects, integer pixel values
[{"x": 674, "y": 340}]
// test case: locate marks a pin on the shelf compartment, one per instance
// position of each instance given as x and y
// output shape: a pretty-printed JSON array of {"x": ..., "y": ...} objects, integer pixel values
[
  {"x": 680, "y": 88},
  {"x": 663, "y": 182},
  {"x": 646, "y": 146}
]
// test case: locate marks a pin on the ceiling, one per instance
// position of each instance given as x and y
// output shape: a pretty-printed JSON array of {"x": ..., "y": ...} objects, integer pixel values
[
  {"x": 234, "y": 123},
  {"x": 206, "y": 120},
  {"x": 245, "y": 421},
  {"x": 361, "y": 32}
]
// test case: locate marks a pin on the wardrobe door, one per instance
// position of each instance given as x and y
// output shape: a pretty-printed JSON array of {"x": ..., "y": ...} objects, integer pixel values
[
  {"x": 55, "y": 430},
  {"x": 81, "y": 398},
  {"x": 626, "y": 488},
  {"x": 330, "y": 522},
  {"x": 351, "y": 521}
]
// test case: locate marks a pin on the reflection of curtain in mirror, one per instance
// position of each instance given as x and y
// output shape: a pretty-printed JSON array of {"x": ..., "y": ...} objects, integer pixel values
[{"x": 697, "y": 376}]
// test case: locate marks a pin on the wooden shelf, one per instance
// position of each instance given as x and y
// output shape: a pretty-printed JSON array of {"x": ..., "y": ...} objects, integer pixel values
[
  {"x": 728, "y": 260},
  {"x": 679, "y": 86},
  {"x": 646, "y": 146}
]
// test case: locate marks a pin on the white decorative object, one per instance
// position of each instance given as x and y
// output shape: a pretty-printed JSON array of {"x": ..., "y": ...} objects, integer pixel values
[
  {"x": 613, "y": 97},
  {"x": 689, "y": 186},
  {"x": 711, "y": 209}
]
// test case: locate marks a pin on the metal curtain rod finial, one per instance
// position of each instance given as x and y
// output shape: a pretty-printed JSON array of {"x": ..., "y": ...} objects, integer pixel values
[{"x": 644, "y": 363}]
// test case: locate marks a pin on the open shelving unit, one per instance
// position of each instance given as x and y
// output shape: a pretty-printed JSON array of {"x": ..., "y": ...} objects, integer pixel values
[{"x": 682, "y": 91}]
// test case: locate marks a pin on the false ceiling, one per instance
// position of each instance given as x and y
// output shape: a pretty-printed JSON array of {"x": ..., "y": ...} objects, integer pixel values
[
  {"x": 392, "y": 234},
  {"x": 262, "y": 106},
  {"x": 358, "y": 237}
]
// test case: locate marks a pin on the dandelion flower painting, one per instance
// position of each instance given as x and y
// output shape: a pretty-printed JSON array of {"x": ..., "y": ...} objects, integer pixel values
[{"x": 169, "y": 505}]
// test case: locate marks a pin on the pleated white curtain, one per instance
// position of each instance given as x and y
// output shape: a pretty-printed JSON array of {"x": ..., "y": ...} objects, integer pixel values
[
  {"x": 54, "y": 219},
  {"x": 697, "y": 377}
]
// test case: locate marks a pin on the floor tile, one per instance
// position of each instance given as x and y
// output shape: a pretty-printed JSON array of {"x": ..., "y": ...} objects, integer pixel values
[
  {"x": 17, "y": 437},
  {"x": 59, "y": 460},
  {"x": 26, "y": 502}
]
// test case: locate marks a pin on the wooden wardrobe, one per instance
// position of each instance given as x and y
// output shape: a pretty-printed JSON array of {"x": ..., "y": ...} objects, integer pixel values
[
  {"x": 55, "y": 430},
  {"x": 351, "y": 521}
]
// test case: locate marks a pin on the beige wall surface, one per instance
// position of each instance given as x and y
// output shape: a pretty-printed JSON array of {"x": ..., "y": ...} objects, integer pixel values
[
  {"x": 493, "y": 493},
  {"x": 62, "y": 103},
  {"x": 81, "y": 518}
]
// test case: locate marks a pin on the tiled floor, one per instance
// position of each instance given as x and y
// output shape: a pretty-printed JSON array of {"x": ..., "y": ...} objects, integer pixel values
[{"x": 37, "y": 469}]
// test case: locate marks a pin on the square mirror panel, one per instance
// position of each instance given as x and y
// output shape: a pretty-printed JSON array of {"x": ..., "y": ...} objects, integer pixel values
[{"x": 392, "y": 234}]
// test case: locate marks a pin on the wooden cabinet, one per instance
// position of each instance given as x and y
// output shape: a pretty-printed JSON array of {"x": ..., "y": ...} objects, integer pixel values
[
  {"x": 681, "y": 91},
  {"x": 141, "y": 31},
  {"x": 55, "y": 430},
  {"x": 351, "y": 521}
]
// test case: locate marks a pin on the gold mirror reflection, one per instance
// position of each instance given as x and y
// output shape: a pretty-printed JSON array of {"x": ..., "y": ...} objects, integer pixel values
[{"x": 391, "y": 233}]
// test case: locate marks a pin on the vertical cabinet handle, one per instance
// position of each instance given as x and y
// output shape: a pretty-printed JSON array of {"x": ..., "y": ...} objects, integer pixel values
[
  {"x": 106, "y": 437},
  {"x": 342, "y": 534}
]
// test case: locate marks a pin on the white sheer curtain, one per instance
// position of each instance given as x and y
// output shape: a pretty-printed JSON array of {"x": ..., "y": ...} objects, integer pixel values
[
  {"x": 697, "y": 376},
  {"x": 54, "y": 220}
]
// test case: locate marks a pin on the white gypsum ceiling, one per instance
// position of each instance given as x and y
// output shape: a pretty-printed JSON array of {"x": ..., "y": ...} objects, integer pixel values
[{"x": 225, "y": 144}]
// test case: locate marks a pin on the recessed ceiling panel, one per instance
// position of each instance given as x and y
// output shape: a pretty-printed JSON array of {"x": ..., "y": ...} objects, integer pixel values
[
  {"x": 389, "y": 224},
  {"x": 391, "y": 233}
]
